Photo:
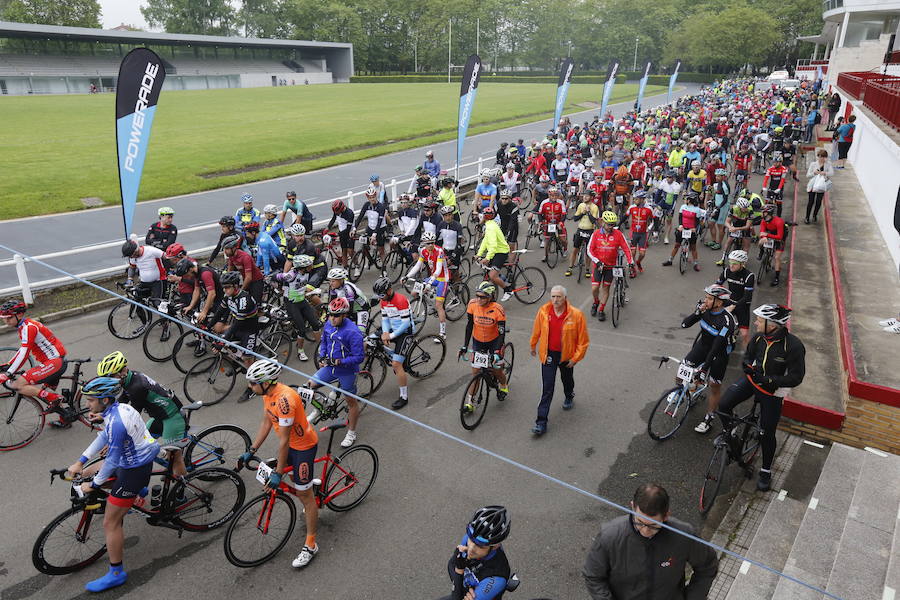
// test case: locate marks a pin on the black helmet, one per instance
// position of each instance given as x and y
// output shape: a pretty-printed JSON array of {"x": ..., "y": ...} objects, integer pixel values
[
  {"x": 228, "y": 221},
  {"x": 230, "y": 278},
  {"x": 230, "y": 241},
  {"x": 12, "y": 307},
  {"x": 381, "y": 285},
  {"x": 489, "y": 525},
  {"x": 184, "y": 265},
  {"x": 129, "y": 248}
]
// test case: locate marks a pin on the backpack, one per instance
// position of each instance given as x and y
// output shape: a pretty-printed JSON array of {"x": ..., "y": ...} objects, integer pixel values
[{"x": 818, "y": 118}]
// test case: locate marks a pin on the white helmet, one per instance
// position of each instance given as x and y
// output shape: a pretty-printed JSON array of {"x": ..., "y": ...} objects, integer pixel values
[
  {"x": 371, "y": 192},
  {"x": 270, "y": 209},
  {"x": 695, "y": 163},
  {"x": 738, "y": 256},
  {"x": 485, "y": 173},
  {"x": 773, "y": 312},
  {"x": 743, "y": 204},
  {"x": 297, "y": 229},
  {"x": 589, "y": 162},
  {"x": 263, "y": 370},
  {"x": 510, "y": 165},
  {"x": 337, "y": 273},
  {"x": 303, "y": 261},
  {"x": 428, "y": 237}
]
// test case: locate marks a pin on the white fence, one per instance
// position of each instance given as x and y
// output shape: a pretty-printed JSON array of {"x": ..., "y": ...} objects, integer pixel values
[{"x": 26, "y": 287}]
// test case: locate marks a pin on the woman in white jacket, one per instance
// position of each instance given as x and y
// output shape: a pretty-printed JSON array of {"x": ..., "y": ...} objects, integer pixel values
[{"x": 818, "y": 176}]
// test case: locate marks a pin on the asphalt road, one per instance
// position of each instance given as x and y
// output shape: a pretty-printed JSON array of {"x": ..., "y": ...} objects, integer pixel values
[
  {"x": 396, "y": 543},
  {"x": 51, "y": 233}
]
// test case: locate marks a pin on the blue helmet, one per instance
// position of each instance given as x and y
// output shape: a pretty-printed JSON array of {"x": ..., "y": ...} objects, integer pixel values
[
  {"x": 374, "y": 178},
  {"x": 102, "y": 387},
  {"x": 246, "y": 198}
]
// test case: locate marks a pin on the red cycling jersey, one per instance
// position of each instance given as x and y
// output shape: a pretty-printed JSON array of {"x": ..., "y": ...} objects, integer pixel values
[
  {"x": 38, "y": 340},
  {"x": 552, "y": 211},
  {"x": 742, "y": 161},
  {"x": 775, "y": 177},
  {"x": 537, "y": 165},
  {"x": 436, "y": 260},
  {"x": 638, "y": 170},
  {"x": 604, "y": 247},
  {"x": 774, "y": 228},
  {"x": 640, "y": 218}
]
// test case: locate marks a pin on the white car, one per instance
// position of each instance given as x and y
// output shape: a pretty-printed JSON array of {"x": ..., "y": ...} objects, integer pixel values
[
  {"x": 778, "y": 75},
  {"x": 789, "y": 84}
]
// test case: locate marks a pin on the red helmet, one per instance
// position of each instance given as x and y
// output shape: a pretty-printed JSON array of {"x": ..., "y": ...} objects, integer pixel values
[
  {"x": 489, "y": 212},
  {"x": 12, "y": 308},
  {"x": 338, "y": 306},
  {"x": 174, "y": 250},
  {"x": 338, "y": 206},
  {"x": 251, "y": 226}
]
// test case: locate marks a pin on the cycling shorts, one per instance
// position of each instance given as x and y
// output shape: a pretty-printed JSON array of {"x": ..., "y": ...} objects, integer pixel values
[
  {"x": 499, "y": 260},
  {"x": 691, "y": 243},
  {"x": 742, "y": 314},
  {"x": 779, "y": 246},
  {"x": 601, "y": 273},
  {"x": 560, "y": 229},
  {"x": 48, "y": 373},
  {"x": 303, "y": 316},
  {"x": 716, "y": 368},
  {"x": 440, "y": 289},
  {"x": 345, "y": 377},
  {"x": 302, "y": 463},
  {"x": 345, "y": 239},
  {"x": 487, "y": 347},
  {"x": 168, "y": 430},
  {"x": 256, "y": 289},
  {"x": 401, "y": 347},
  {"x": 581, "y": 236},
  {"x": 127, "y": 483},
  {"x": 379, "y": 236},
  {"x": 245, "y": 338},
  {"x": 639, "y": 239}
]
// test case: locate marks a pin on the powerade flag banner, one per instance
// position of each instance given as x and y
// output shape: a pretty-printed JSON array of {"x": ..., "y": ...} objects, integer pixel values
[
  {"x": 467, "y": 90},
  {"x": 641, "y": 86},
  {"x": 141, "y": 78},
  {"x": 562, "y": 90},
  {"x": 672, "y": 79},
  {"x": 608, "y": 86}
]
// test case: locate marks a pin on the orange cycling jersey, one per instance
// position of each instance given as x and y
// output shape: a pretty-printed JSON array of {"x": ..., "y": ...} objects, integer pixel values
[
  {"x": 485, "y": 320},
  {"x": 284, "y": 408}
]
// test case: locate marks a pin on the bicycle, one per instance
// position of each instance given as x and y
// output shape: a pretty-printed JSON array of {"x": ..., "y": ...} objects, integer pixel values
[
  {"x": 367, "y": 256},
  {"x": 22, "y": 418},
  {"x": 533, "y": 232},
  {"x": 529, "y": 284},
  {"x": 72, "y": 541},
  {"x": 684, "y": 257},
  {"x": 162, "y": 334},
  {"x": 264, "y": 525},
  {"x": 329, "y": 242},
  {"x": 423, "y": 303},
  {"x": 398, "y": 261},
  {"x": 739, "y": 442},
  {"x": 216, "y": 445},
  {"x": 673, "y": 406},
  {"x": 211, "y": 379},
  {"x": 127, "y": 321},
  {"x": 477, "y": 394},
  {"x": 553, "y": 246},
  {"x": 581, "y": 268}
]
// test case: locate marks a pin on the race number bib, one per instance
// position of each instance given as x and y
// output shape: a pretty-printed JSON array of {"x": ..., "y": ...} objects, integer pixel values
[
  {"x": 735, "y": 234},
  {"x": 480, "y": 360},
  {"x": 739, "y": 177},
  {"x": 305, "y": 394},
  {"x": 620, "y": 199},
  {"x": 263, "y": 472},
  {"x": 362, "y": 318},
  {"x": 686, "y": 373},
  {"x": 617, "y": 272},
  {"x": 687, "y": 234},
  {"x": 768, "y": 243},
  {"x": 551, "y": 227}
]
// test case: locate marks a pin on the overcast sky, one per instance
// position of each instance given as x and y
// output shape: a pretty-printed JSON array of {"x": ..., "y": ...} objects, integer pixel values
[{"x": 116, "y": 12}]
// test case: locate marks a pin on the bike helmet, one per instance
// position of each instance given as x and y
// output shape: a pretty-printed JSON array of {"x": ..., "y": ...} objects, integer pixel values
[
  {"x": 102, "y": 387},
  {"x": 738, "y": 256},
  {"x": 251, "y": 226},
  {"x": 486, "y": 287},
  {"x": 776, "y": 157},
  {"x": 374, "y": 177},
  {"x": 129, "y": 248},
  {"x": 717, "y": 291},
  {"x": 769, "y": 209},
  {"x": 779, "y": 129},
  {"x": 381, "y": 286},
  {"x": 247, "y": 198},
  {"x": 743, "y": 204},
  {"x": 371, "y": 191},
  {"x": 337, "y": 273},
  {"x": 227, "y": 221},
  {"x": 447, "y": 210},
  {"x": 429, "y": 154},
  {"x": 338, "y": 306},
  {"x": 589, "y": 163},
  {"x": 505, "y": 194},
  {"x": 640, "y": 194},
  {"x": 405, "y": 198},
  {"x": 175, "y": 250},
  {"x": 232, "y": 240},
  {"x": 183, "y": 266},
  {"x": 489, "y": 526},
  {"x": 230, "y": 278},
  {"x": 297, "y": 229},
  {"x": 270, "y": 209},
  {"x": 721, "y": 172},
  {"x": 12, "y": 308},
  {"x": 544, "y": 179},
  {"x": 166, "y": 210},
  {"x": 610, "y": 217},
  {"x": 777, "y": 313},
  {"x": 291, "y": 194},
  {"x": 338, "y": 206},
  {"x": 303, "y": 261},
  {"x": 263, "y": 371},
  {"x": 695, "y": 164},
  {"x": 428, "y": 237},
  {"x": 111, "y": 363},
  {"x": 488, "y": 212}
]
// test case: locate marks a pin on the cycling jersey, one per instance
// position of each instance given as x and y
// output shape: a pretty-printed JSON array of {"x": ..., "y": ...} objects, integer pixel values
[
  {"x": 375, "y": 216},
  {"x": 486, "y": 191},
  {"x": 408, "y": 220},
  {"x": 774, "y": 228},
  {"x": 145, "y": 394},
  {"x": 486, "y": 323},
  {"x": 559, "y": 170},
  {"x": 149, "y": 264},
  {"x": 300, "y": 209},
  {"x": 160, "y": 236},
  {"x": 696, "y": 179},
  {"x": 609, "y": 168},
  {"x": 242, "y": 217},
  {"x": 447, "y": 197},
  {"x": 640, "y": 218},
  {"x": 128, "y": 442},
  {"x": 638, "y": 170},
  {"x": 354, "y": 295},
  {"x": 343, "y": 219},
  {"x": 670, "y": 193},
  {"x": 689, "y": 216},
  {"x": 344, "y": 343},
  {"x": 244, "y": 264},
  {"x": 396, "y": 318},
  {"x": 742, "y": 161},
  {"x": 242, "y": 307},
  {"x": 486, "y": 577},
  {"x": 449, "y": 235},
  {"x": 589, "y": 214},
  {"x": 740, "y": 284},
  {"x": 36, "y": 339},
  {"x": 284, "y": 408},
  {"x": 268, "y": 255},
  {"x": 780, "y": 357},
  {"x": 575, "y": 172},
  {"x": 493, "y": 242},
  {"x": 537, "y": 165},
  {"x": 604, "y": 247},
  {"x": 676, "y": 158},
  {"x": 435, "y": 260},
  {"x": 276, "y": 230},
  {"x": 716, "y": 335},
  {"x": 426, "y": 223},
  {"x": 510, "y": 182},
  {"x": 509, "y": 219},
  {"x": 295, "y": 250},
  {"x": 552, "y": 211},
  {"x": 775, "y": 177}
]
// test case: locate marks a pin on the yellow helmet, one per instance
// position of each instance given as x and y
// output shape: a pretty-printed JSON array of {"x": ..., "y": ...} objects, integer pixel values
[
  {"x": 111, "y": 364},
  {"x": 610, "y": 217}
]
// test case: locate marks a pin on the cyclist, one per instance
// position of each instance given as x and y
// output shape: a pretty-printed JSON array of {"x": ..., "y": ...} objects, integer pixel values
[
  {"x": 510, "y": 180},
  {"x": 48, "y": 352},
  {"x": 720, "y": 191},
  {"x": 342, "y": 215},
  {"x": 302, "y": 284},
  {"x": 669, "y": 190},
  {"x": 246, "y": 214},
  {"x": 772, "y": 227},
  {"x": 695, "y": 179},
  {"x": 742, "y": 164},
  {"x": 206, "y": 287},
  {"x": 559, "y": 168},
  {"x": 450, "y": 238},
  {"x": 163, "y": 233},
  {"x": 713, "y": 344},
  {"x": 227, "y": 225},
  {"x": 273, "y": 226},
  {"x": 552, "y": 214},
  {"x": 147, "y": 263},
  {"x": 587, "y": 214},
  {"x": 298, "y": 443},
  {"x": 268, "y": 255},
  {"x": 621, "y": 182},
  {"x": 242, "y": 263},
  {"x": 690, "y": 218},
  {"x": 486, "y": 327},
  {"x": 428, "y": 222},
  {"x": 173, "y": 254},
  {"x": 479, "y": 568},
  {"x": 435, "y": 260},
  {"x": 302, "y": 214},
  {"x": 447, "y": 197},
  {"x": 339, "y": 287},
  {"x": 508, "y": 211},
  {"x": 166, "y": 423},
  {"x": 421, "y": 184},
  {"x": 298, "y": 245},
  {"x": 494, "y": 251},
  {"x": 397, "y": 327},
  {"x": 774, "y": 180},
  {"x": 380, "y": 191},
  {"x": 130, "y": 450},
  {"x": 740, "y": 281},
  {"x": 774, "y": 362},
  {"x": 244, "y": 327},
  {"x": 485, "y": 192},
  {"x": 640, "y": 216},
  {"x": 603, "y": 250},
  {"x": 374, "y": 213},
  {"x": 739, "y": 226},
  {"x": 432, "y": 166}
]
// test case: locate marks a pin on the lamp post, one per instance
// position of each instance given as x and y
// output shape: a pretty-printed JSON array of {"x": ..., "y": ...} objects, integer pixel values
[{"x": 634, "y": 64}]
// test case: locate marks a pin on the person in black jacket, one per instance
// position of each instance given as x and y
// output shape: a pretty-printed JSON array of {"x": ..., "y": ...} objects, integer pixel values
[
  {"x": 774, "y": 362},
  {"x": 227, "y": 224},
  {"x": 163, "y": 233}
]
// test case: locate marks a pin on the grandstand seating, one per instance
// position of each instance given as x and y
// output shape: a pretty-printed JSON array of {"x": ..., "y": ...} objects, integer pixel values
[{"x": 72, "y": 65}]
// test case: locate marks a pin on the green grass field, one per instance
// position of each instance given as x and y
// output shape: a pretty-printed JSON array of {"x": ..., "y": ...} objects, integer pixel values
[{"x": 59, "y": 149}]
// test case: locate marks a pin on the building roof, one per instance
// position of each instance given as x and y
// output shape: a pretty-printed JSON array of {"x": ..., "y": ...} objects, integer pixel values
[
  {"x": 827, "y": 35},
  {"x": 30, "y": 30}
]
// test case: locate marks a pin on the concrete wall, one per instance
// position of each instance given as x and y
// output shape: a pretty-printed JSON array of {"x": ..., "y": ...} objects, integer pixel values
[
  {"x": 868, "y": 55},
  {"x": 265, "y": 79}
]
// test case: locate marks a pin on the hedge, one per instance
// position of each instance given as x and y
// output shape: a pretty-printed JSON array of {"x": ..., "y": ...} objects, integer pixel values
[{"x": 620, "y": 78}]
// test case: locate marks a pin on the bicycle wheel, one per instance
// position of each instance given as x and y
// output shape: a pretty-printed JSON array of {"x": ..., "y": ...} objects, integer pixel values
[
  {"x": 21, "y": 420},
  {"x": 465, "y": 269},
  {"x": 127, "y": 321},
  {"x": 712, "y": 479},
  {"x": 6, "y": 350},
  {"x": 394, "y": 265},
  {"x": 210, "y": 380},
  {"x": 616, "y": 301},
  {"x": 365, "y": 386},
  {"x": 418, "y": 309},
  {"x": 581, "y": 264},
  {"x": 357, "y": 266},
  {"x": 216, "y": 446},
  {"x": 524, "y": 199},
  {"x": 764, "y": 266},
  {"x": 205, "y": 499},
  {"x": 279, "y": 344},
  {"x": 552, "y": 252},
  {"x": 260, "y": 529},
  {"x": 378, "y": 370},
  {"x": 682, "y": 260},
  {"x": 472, "y": 223},
  {"x": 531, "y": 285},
  {"x": 187, "y": 349},
  {"x": 474, "y": 403},
  {"x": 457, "y": 301},
  {"x": 160, "y": 338},
  {"x": 351, "y": 478},
  {"x": 71, "y": 542},
  {"x": 425, "y": 355},
  {"x": 749, "y": 436},
  {"x": 509, "y": 359},
  {"x": 668, "y": 414}
]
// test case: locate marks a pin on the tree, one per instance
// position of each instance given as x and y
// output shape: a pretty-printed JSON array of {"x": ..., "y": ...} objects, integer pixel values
[
  {"x": 74, "y": 13},
  {"x": 205, "y": 17},
  {"x": 263, "y": 18}
]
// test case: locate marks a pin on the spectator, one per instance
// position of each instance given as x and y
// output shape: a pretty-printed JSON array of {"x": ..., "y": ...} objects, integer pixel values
[
  {"x": 834, "y": 105},
  {"x": 818, "y": 176},
  {"x": 844, "y": 139},
  {"x": 632, "y": 557},
  {"x": 432, "y": 167},
  {"x": 813, "y": 118},
  {"x": 560, "y": 338}
]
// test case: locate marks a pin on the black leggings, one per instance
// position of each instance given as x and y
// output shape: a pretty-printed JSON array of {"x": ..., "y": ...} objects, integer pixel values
[
  {"x": 770, "y": 414},
  {"x": 815, "y": 198}
]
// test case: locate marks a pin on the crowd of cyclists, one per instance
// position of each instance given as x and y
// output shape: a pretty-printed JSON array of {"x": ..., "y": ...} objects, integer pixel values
[{"x": 706, "y": 171}]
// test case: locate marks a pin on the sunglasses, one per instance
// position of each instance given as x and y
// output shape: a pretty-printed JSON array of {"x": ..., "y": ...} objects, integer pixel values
[{"x": 482, "y": 296}]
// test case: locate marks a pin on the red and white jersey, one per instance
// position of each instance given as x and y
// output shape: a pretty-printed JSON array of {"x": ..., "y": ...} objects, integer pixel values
[
  {"x": 149, "y": 264},
  {"x": 640, "y": 218},
  {"x": 38, "y": 340},
  {"x": 436, "y": 261},
  {"x": 604, "y": 247},
  {"x": 638, "y": 170},
  {"x": 552, "y": 211},
  {"x": 775, "y": 177}
]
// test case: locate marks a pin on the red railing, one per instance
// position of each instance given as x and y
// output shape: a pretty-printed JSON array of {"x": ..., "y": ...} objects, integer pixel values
[
  {"x": 894, "y": 57},
  {"x": 879, "y": 93}
]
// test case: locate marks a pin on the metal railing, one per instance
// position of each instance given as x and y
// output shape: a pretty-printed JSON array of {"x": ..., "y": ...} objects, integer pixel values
[
  {"x": 878, "y": 92},
  {"x": 27, "y": 288},
  {"x": 853, "y": 83}
]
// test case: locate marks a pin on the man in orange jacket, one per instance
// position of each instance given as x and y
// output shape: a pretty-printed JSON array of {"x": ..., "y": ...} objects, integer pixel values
[{"x": 560, "y": 338}]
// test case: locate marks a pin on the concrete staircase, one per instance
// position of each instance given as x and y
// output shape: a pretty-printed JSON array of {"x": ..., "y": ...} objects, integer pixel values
[{"x": 845, "y": 538}]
